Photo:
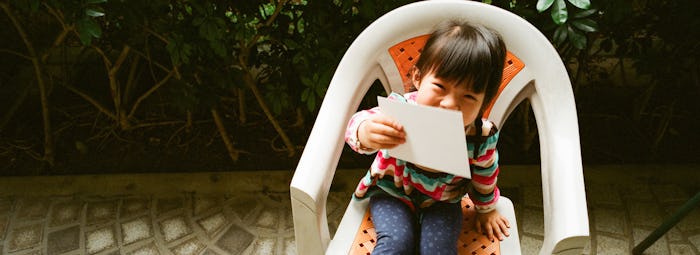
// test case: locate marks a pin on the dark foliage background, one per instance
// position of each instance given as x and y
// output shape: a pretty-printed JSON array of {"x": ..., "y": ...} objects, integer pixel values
[{"x": 97, "y": 86}]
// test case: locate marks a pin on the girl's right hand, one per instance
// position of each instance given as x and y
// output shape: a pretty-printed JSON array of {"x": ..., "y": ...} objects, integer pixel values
[{"x": 380, "y": 132}]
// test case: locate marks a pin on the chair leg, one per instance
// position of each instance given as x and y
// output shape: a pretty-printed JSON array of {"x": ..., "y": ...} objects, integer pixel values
[{"x": 668, "y": 224}]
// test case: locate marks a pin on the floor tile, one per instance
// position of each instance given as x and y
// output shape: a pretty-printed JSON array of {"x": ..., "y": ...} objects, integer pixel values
[
  {"x": 136, "y": 230},
  {"x": 174, "y": 228},
  {"x": 235, "y": 240},
  {"x": 100, "y": 240},
  {"x": 25, "y": 237},
  {"x": 63, "y": 240}
]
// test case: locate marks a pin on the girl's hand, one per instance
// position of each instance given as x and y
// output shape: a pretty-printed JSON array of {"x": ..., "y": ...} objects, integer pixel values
[
  {"x": 492, "y": 224},
  {"x": 380, "y": 132}
]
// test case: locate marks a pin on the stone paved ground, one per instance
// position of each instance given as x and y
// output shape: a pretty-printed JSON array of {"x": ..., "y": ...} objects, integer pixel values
[{"x": 249, "y": 213}]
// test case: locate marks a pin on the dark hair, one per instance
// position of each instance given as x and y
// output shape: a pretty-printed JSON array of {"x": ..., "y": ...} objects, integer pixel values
[{"x": 467, "y": 54}]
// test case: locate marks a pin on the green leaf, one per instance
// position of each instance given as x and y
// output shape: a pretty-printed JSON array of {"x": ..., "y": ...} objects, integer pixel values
[
  {"x": 559, "y": 13},
  {"x": 560, "y": 34},
  {"x": 323, "y": 83},
  {"x": 94, "y": 13},
  {"x": 320, "y": 90},
  {"x": 301, "y": 24},
  {"x": 311, "y": 104},
  {"x": 269, "y": 9},
  {"x": 298, "y": 59},
  {"x": 583, "y": 4},
  {"x": 173, "y": 52},
  {"x": 577, "y": 38},
  {"x": 586, "y": 25},
  {"x": 85, "y": 38},
  {"x": 584, "y": 14},
  {"x": 306, "y": 81},
  {"x": 305, "y": 94},
  {"x": 209, "y": 30},
  {"x": 95, "y": 1},
  {"x": 87, "y": 29},
  {"x": 89, "y": 26},
  {"x": 179, "y": 50},
  {"x": 219, "y": 48},
  {"x": 290, "y": 44},
  {"x": 94, "y": 29},
  {"x": 543, "y": 5},
  {"x": 266, "y": 10}
]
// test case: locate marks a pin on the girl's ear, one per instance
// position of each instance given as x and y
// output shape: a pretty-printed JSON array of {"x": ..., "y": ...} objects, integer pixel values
[{"x": 415, "y": 77}]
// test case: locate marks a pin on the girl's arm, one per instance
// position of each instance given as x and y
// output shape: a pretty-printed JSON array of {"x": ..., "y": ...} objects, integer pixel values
[
  {"x": 351, "y": 136},
  {"x": 485, "y": 194},
  {"x": 484, "y": 170}
]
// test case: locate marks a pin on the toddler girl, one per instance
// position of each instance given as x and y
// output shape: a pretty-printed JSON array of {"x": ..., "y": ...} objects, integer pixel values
[{"x": 415, "y": 207}]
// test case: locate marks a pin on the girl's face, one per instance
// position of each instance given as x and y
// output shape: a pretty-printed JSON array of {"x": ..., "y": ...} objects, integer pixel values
[{"x": 435, "y": 92}]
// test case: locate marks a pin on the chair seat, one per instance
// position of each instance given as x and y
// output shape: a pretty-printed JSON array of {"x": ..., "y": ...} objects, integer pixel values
[{"x": 470, "y": 241}]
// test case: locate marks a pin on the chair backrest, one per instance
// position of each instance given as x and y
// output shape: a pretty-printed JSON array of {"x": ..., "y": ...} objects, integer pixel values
[
  {"x": 543, "y": 80},
  {"x": 395, "y": 50}
]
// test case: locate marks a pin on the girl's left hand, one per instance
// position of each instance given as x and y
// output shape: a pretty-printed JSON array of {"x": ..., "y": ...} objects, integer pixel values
[{"x": 492, "y": 224}]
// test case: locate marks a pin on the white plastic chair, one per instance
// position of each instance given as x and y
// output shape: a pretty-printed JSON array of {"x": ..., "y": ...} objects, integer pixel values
[{"x": 543, "y": 81}]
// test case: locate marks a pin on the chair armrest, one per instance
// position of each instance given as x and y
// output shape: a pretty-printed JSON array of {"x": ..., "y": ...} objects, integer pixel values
[
  {"x": 564, "y": 199},
  {"x": 314, "y": 173}
]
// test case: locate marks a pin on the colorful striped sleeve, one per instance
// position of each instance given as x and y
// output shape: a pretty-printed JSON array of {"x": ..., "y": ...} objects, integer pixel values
[
  {"x": 485, "y": 169},
  {"x": 351, "y": 131}
]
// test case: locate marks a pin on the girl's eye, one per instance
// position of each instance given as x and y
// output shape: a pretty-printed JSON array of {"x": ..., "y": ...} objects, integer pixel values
[
  {"x": 439, "y": 85},
  {"x": 470, "y": 97}
]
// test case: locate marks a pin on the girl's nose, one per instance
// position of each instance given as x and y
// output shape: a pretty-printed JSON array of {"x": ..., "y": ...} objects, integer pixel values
[{"x": 449, "y": 102}]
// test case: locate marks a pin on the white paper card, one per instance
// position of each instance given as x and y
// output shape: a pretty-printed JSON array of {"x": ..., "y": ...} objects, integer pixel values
[{"x": 434, "y": 136}]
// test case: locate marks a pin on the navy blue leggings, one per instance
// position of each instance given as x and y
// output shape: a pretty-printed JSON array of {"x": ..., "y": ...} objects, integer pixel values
[{"x": 433, "y": 230}]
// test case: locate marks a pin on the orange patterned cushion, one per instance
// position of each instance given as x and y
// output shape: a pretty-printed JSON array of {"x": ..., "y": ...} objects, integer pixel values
[{"x": 469, "y": 242}]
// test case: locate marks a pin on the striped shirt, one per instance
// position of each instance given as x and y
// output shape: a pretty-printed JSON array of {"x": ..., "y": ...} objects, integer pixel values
[{"x": 419, "y": 188}]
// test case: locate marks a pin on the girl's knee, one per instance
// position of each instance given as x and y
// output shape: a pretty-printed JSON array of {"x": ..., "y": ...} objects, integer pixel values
[
  {"x": 394, "y": 245},
  {"x": 395, "y": 240}
]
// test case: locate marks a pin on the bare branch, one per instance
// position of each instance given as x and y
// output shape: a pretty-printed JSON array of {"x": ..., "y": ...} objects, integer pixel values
[
  {"x": 120, "y": 60},
  {"x": 232, "y": 152},
  {"x": 12, "y": 52},
  {"x": 162, "y": 123},
  {"x": 43, "y": 91},
  {"x": 93, "y": 102},
  {"x": 149, "y": 92},
  {"x": 105, "y": 59},
  {"x": 156, "y": 35},
  {"x": 160, "y": 66},
  {"x": 56, "y": 14}
]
